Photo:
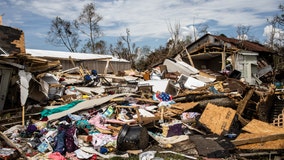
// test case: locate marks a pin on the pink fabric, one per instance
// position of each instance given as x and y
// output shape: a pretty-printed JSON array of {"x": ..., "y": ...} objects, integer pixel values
[
  {"x": 98, "y": 121},
  {"x": 56, "y": 156},
  {"x": 71, "y": 156}
]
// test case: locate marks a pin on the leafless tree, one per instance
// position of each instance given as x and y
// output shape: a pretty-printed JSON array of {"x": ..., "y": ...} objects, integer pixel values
[
  {"x": 88, "y": 24},
  {"x": 275, "y": 38},
  {"x": 128, "y": 52},
  {"x": 242, "y": 32},
  {"x": 63, "y": 33}
]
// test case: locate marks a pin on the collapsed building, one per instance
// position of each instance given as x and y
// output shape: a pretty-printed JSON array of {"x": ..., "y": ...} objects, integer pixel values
[{"x": 217, "y": 98}]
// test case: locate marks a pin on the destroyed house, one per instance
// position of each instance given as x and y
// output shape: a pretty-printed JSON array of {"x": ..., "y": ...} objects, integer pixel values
[
  {"x": 218, "y": 53},
  {"x": 11, "y": 40},
  {"x": 102, "y": 63}
]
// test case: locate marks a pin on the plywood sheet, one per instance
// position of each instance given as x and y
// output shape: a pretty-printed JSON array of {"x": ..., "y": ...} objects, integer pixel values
[
  {"x": 257, "y": 126},
  {"x": 217, "y": 118},
  {"x": 248, "y": 138},
  {"x": 269, "y": 145}
]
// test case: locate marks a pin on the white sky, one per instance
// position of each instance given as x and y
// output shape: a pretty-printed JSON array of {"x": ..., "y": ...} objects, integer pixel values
[{"x": 148, "y": 20}]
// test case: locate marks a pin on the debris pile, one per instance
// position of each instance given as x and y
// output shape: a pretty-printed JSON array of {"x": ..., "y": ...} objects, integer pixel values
[{"x": 175, "y": 108}]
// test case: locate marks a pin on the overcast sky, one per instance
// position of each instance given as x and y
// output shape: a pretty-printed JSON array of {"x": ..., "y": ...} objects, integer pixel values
[{"x": 147, "y": 20}]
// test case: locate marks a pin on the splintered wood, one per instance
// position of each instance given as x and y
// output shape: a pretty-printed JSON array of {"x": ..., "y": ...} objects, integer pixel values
[
  {"x": 217, "y": 118},
  {"x": 260, "y": 135}
]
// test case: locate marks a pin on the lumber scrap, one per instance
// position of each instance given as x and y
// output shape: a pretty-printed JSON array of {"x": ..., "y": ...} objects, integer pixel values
[
  {"x": 269, "y": 145},
  {"x": 184, "y": 106},
  {"x": 248, "y": 138},
  {"x": 243, "y": 103},
  {"x": 257, "y": 126},
  {"x": 217, "y": 118},
  {"x": 189, "y": 57},
  {"x": 87, "y": 104},
  {"x": 11, "y": 144},
  {"x": 177, "y": 109},
  {"x": 260, "y": 135}
]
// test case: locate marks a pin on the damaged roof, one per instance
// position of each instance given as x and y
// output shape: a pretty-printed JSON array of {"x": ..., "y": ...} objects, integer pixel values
[
  {"x": 244, "y": 44},
  {"x": 232, "y": 43}
]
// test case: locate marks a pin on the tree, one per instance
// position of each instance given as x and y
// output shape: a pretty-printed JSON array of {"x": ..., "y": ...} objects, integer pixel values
[
  {"x": 118, "y": 49},
  {"x": 128, "y": 52},
  {"x": 242, "y": 32},
  {"x": 63, "y": 33},
  {"x": 87, "y": 23},
  {"x": 141, "y": 60},
  {"x": 271, "y": 36},
  {"x": 101, "y": 47},
  {"x": 280, "y": 18},
  {"x": 275, "y": 41},
  {"x": 275, "y": 38},
  {"x": 175, "y": 33},
  {"x": 200, "y": 30}
]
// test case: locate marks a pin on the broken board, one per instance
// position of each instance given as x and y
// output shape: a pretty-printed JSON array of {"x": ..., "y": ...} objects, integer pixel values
[
  {"x": 87, "y": 104},
  {"x": 261, "y": 135},
  {"x": 217, "y": 118}
]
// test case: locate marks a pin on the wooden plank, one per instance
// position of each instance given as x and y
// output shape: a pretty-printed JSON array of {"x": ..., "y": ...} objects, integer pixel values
[
  {"x": 224, "y": 58},
  {"x": 243, "y": 103},
  {"x": 247, "y": 138},
  {"x": 217, "y": 118},
  {"x": 72, "y": 61},
  {"x": 269, "y": 145},
  {"x": 189, "y": 57},
  {"x": 257, "y": 127},
  {"x": 242, "y": 120},
  {"x": 87, "y": 104},
  {"x": 11, "y": 144},
  {"x": 185, "y": 106},
  {"x": 106, "y": 67}
]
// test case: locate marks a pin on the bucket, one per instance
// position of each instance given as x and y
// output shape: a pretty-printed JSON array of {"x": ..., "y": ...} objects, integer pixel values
[{"x": 132, "y": 138}]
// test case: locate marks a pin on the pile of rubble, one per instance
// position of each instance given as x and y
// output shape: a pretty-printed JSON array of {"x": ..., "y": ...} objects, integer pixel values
[{"x": 175, "y": 108}]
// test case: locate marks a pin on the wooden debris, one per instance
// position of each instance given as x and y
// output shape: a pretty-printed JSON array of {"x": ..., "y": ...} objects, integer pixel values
[
  {"x": 217, "y": 118},
  {"x": 257, "y": 126},
  {"x": 260, "y": 135},
  {"x": 11, "y": 144},
  {"x": 243, "y": 103}
]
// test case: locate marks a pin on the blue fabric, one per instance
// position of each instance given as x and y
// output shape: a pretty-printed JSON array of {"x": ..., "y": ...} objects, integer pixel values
[{"x": 60, "y": 141}]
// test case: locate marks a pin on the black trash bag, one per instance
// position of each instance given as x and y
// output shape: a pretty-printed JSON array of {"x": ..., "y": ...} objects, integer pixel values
[{"x": 132, "y": 138}]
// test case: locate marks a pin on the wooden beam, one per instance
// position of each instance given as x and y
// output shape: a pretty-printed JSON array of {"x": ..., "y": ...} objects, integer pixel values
[
  {"x": 112, "y": 68},
  {"x": 224, "y": 58},
  {"x": 242, "y": 120},
  {"x": 189, "y": 57},
  {"x": 72, "y": 61},
  {"x": 106, "y": 67},
  {"x": 11, "y": 144},
  {"x": 243, "y": 103}
]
